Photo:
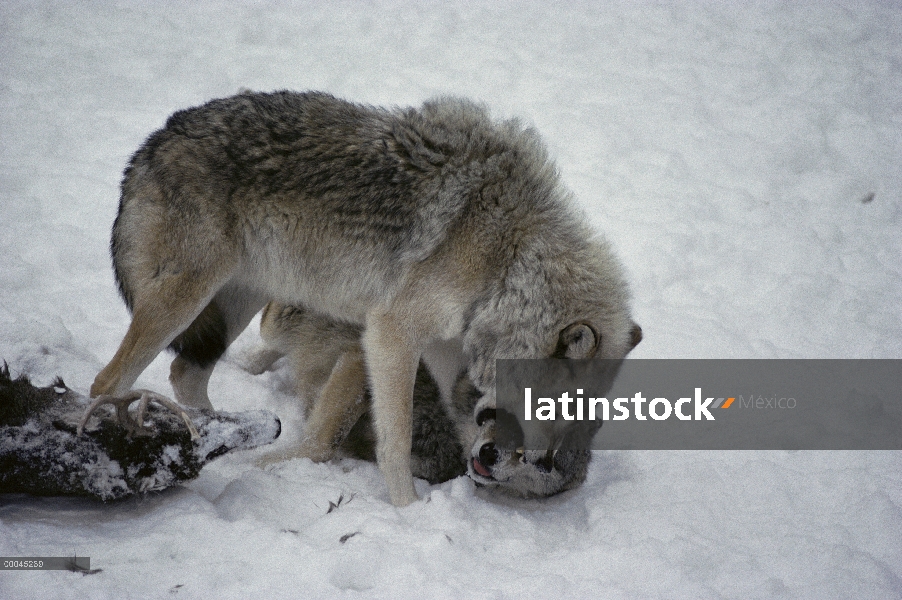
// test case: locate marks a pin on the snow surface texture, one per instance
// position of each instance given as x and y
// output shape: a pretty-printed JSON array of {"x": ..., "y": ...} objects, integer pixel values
[{"x": 744, "y": 160}]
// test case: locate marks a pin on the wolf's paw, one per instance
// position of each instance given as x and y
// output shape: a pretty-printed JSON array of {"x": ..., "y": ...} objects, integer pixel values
[
  {"x": 317, "y": 452},
  {"x": 258, "y": 360},
  {"x": 136, "y": 424}
]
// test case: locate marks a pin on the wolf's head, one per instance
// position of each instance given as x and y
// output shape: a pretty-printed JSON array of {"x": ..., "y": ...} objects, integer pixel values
[
  {"x": 565, "y": 301},
  {"x": 561, "y": 297}
]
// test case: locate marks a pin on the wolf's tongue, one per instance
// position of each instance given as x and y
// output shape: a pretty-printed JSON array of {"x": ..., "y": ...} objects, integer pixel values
[{"x": 477, "y": 466}]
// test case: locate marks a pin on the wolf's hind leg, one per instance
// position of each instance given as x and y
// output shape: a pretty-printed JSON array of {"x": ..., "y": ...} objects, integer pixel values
[
  {"x": 261, "y": 360},
  {"x": 202, "y": 344},
  {"x": 160, "y": 313},
  {"x": 272, "y": 346}
]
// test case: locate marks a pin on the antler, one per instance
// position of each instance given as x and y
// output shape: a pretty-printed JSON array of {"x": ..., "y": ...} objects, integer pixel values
[{"x": 136, "y": 425}]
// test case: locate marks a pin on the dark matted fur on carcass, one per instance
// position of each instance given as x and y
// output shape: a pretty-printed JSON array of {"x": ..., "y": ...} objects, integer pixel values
[{"x": 41, "y": 454}]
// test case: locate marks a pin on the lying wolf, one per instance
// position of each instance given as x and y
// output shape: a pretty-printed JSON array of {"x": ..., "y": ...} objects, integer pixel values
[
  {"x": 447, "y": 439},
  {"x": 418, "y": 225}
]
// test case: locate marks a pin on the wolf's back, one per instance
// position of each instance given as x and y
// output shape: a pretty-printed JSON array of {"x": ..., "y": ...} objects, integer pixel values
[{"x": 262, "y": 165}]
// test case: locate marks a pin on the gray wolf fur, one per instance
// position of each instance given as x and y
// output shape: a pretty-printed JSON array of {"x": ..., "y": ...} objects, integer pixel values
[
  {"x": 448, "y": 439},
  {"x": 418, "y": 225}
]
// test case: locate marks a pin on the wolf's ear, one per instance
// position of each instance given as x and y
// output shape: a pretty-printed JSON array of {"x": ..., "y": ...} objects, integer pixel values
[
  {"x": 635, "y": 335},
  {"x": 577, "y": 340}
]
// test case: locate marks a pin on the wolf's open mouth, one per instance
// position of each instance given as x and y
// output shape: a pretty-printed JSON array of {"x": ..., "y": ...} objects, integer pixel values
[{"x": 481, "y": 469}]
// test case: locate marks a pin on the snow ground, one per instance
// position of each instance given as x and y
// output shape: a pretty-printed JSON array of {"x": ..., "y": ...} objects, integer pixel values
[{"x": 744, "y": 160}]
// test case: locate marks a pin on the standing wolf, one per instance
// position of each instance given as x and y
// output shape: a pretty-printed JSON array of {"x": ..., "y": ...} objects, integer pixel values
[{"x": 419, "y": 225}]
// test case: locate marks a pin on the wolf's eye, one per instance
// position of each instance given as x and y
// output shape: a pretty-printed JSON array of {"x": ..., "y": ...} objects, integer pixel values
[{"x": 520, "y": 454}]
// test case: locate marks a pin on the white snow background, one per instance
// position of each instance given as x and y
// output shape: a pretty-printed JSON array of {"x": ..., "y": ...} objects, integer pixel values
[{"x": 745, "y": 160}]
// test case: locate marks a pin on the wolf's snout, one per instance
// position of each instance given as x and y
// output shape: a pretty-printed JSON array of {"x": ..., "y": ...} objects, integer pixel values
[
  {"x": 488, "y": 455},
  {"x": 486, "y": 458}
]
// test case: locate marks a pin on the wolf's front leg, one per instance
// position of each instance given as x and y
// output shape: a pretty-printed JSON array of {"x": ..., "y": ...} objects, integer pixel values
[
  {"x": 392, "y": 357},
  {"x": 333, "y": 414},
  {"x": 338, "y": 408}
]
